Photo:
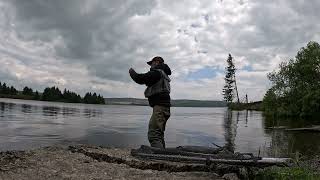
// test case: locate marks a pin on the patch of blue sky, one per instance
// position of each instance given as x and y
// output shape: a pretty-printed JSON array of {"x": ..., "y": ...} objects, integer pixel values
[
  {"x": 204, "y": 73},
  {"x": 247, "y": 68}
]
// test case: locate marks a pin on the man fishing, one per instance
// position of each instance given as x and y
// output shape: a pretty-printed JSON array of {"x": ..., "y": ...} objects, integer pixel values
[{"x": 158, "y": 93}]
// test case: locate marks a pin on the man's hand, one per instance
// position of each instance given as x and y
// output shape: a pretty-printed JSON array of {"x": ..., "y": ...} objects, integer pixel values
[{"x": 131, "y": 71}]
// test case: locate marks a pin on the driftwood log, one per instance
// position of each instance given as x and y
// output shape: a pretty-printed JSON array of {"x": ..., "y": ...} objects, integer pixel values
[
  {"x": 200, "y": 160},
  {"x": 195, "y": 151},
  {"x": 189, "y": 154}
]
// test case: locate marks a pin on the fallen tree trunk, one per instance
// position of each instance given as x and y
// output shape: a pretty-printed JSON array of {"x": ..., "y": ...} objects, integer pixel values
[
  {"x": 192, "y": 151},
  {"x": 199, "y": 149},
  {"x": 201, "y": 160}
]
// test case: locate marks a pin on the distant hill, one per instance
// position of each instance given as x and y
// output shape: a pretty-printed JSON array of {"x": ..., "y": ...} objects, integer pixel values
[
  {"x": 175, "y": 103},
  {"x": 126, "y": 101},
  {"x": 197, "y": 103}
]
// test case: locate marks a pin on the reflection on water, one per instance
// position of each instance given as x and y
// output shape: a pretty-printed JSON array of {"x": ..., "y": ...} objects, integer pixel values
[
  {"x": 230, "y": 125},
  {"x": 69, "y": 111},
  {"x": 30, "y": 124},
  {"x": 26, "y": 108},
  {"x": 287, "y": 142},
  {"x": 50, "y": 110},
  {"x": 91, "y": 113}
]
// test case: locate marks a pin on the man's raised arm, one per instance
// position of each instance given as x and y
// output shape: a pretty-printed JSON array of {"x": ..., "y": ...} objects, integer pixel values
[{"x": 148, "y": 78}]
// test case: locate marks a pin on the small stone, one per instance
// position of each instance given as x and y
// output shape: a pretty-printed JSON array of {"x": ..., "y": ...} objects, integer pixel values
[{"x": 230, "y": 176}]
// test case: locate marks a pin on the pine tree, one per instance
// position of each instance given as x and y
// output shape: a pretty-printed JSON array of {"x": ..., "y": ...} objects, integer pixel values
[
  {"x": 36, "y": 96},
  {"x": 5, "y": 89},
  {"x": 230, "y": 82},
  {"x": 13, "y": 91},
  {"x": 27, "y": 91}
]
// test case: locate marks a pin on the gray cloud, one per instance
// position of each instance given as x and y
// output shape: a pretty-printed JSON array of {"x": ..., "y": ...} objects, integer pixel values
[{"x": 93, "y": 32}]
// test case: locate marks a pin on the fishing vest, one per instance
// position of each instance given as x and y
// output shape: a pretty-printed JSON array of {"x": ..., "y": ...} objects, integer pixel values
[{"x": 162, "y": 86}]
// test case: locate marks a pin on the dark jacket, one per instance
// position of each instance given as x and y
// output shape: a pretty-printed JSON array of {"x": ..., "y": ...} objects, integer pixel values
[{"x": 149, "y": 79}]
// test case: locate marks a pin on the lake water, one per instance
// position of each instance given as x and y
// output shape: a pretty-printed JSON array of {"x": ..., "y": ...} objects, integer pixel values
[{"x": 32, "y": 124}]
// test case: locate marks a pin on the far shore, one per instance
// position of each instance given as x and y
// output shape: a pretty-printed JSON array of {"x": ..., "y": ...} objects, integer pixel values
[{"x": 132, "y": 101}]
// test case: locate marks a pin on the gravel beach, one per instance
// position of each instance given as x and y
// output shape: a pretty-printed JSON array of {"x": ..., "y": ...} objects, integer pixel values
[{"x": 85, "y": 162}]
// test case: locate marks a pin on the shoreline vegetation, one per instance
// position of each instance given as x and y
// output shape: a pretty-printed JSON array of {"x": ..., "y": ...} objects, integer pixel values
[
  {"x": 295, "y": 89},
  {"x": 49, "y": 94},
  {"x": 252, "y": 106}
]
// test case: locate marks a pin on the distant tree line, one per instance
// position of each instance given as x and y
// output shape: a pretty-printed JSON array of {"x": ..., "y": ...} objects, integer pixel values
[
  {"x": 93, "y": 99},
  {"x": 4, "y": 89},
  {"x": 295, "y": 89},
  {"x": 50, "y": 94}
]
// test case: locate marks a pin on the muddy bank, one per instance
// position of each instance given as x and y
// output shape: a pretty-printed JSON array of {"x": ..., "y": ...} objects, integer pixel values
[{"x": 85, "y": 162}]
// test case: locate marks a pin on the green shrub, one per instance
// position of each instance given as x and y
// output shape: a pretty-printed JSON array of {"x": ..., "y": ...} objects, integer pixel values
[{"x": 287, "y": 173}]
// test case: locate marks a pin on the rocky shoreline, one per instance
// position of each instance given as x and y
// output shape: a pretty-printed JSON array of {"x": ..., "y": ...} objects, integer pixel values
[{"x": 94, "y": 162}]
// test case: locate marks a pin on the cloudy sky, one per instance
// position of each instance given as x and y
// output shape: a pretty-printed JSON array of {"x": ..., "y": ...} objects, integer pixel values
[{"x": 89, "y": 45}]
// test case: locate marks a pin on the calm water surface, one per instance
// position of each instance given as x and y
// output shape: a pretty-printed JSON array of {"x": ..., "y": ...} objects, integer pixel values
[{"x": 31, "y": 124}]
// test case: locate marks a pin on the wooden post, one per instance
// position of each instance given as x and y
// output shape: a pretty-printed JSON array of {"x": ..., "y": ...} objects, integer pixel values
[
  {"x": 247, "y": 98},
  {"x": 235, "y": 83}
]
